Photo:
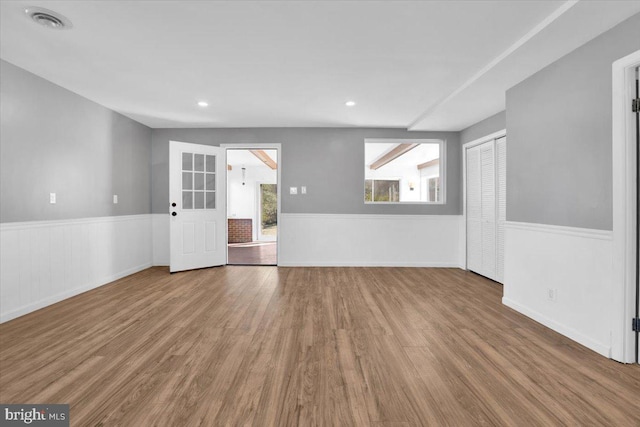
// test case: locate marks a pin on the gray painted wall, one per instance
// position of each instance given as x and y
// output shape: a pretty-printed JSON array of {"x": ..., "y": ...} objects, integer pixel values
[
  {"x": 54, "y": 140},
  {"x": 559, "y": 136},
  {"x": 485, "y": 127},
  {"x": 329, "y": 161}
]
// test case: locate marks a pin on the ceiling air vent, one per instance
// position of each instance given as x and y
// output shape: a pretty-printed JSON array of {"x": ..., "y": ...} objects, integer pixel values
[{"x": 48, "y": 18}]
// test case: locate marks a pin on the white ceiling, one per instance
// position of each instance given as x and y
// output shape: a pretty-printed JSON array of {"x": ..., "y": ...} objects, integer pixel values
[{"x": 432, "y": 65}]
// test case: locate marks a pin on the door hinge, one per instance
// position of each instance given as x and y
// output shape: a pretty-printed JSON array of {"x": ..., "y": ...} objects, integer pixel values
[
  {"x": 635, "y": 105},
  {"x": 635, "y": 324}
]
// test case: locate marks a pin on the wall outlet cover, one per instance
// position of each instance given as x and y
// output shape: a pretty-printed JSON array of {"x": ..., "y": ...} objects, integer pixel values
[
  {"x": 52, "y": 198},
  {"x": 303, "y": 190}
]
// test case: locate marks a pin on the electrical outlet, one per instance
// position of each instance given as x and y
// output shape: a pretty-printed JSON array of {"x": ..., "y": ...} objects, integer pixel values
[
  {"x": 303, "y": 190},
  {"x": 552, "y": 294},
  {"x": 115, "y": 199},
  {"x": 293, "y": 190},
  {"x": 52, "y": 198}
]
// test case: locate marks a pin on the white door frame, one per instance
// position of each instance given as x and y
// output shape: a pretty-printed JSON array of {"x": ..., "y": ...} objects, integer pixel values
[
  {"x": 465, "y": 147},
  {"x": 261, "y": 146},
  {"x": 624, "y": 208}
]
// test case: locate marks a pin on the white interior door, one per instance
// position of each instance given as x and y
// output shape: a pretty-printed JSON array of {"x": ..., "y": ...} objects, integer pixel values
[{"x": 198, "y": 213}]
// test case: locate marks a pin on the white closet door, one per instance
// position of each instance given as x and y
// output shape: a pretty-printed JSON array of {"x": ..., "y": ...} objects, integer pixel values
[
  {"x": 501, "y": 163},
  {"x": 482, "y": 212},
  {"x": 474, "y": 210},
  {"x": 488, "y": 178}
]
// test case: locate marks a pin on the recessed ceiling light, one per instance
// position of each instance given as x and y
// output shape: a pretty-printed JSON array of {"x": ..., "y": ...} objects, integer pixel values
[
  {"x": 48, "y": 18},
  {"x": 350, "y": 103},
  {"x": 203, "y": 103}
]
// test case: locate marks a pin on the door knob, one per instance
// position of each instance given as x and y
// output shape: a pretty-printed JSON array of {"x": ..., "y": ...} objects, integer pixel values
[
  {"x": 173, "y": 214},
  {"x": 173, "y": 204}
]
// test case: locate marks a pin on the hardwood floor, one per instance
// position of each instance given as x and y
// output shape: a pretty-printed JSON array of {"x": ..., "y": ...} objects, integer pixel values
[{"x": 307, "y": 346}]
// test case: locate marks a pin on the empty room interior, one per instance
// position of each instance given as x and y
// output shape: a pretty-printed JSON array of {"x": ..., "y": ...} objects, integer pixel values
[{"x": 333, "y": 213}]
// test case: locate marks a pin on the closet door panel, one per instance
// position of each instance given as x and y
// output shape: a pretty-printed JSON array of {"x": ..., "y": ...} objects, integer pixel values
[
  {"x": 488, "y": 184},
  {"x": 501, "y": 180},
  {"x": 474, "y": 210},
  {"x": 489, "y": 249},
  {"x": 488, "y": 181},
  {"x": 486, "y": 208}
]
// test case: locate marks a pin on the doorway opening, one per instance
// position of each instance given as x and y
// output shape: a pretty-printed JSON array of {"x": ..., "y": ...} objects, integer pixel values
[{"x": 252, "y": 206}]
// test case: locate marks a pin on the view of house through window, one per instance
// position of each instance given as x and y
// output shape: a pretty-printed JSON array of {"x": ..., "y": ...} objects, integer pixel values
[{"x": 397, "y": 171}]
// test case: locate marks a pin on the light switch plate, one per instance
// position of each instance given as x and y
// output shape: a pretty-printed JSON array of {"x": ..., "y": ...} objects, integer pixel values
[
  {"x": 115, "y": 199},
  {"x": 303, "y": 190},
  {"x": 293, "y": 190},
  {"x": 52, "y": 198}
]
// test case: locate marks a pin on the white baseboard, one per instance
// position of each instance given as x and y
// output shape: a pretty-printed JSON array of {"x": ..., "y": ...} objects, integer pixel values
[
  {"x": 43, "y": 262},
  {"x": 568, "y": 332},
  {"x": 371, "y": 264},
  {"x": 576, "y": 265},
  {"x": 369, "y": 240}
]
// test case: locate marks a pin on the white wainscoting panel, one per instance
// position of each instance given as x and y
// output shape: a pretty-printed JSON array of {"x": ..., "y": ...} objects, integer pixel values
[
  {"x": 576, "y": 265},
  {"x": 354, "y": 240},
  {"x": 161, "y": 239},
  {"x": 43, "y": 262},
  {"x": 369, "y": 240}
]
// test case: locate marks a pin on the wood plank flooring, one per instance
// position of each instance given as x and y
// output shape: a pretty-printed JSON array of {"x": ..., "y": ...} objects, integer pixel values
[{"x": 307, "y": 346}]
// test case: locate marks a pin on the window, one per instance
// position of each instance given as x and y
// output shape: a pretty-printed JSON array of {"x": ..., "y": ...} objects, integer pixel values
[
  {"x": 198, "y": 181},
  {"x": 403, "y": 171},
  {"x": 382, "y": 190},
  {"x": 431, "y": 189}
]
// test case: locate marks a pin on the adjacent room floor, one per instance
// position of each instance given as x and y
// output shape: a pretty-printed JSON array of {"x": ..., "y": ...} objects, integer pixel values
[
  {"x": 308, "y": 346},
  {"x": 253, "y": 253}
]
